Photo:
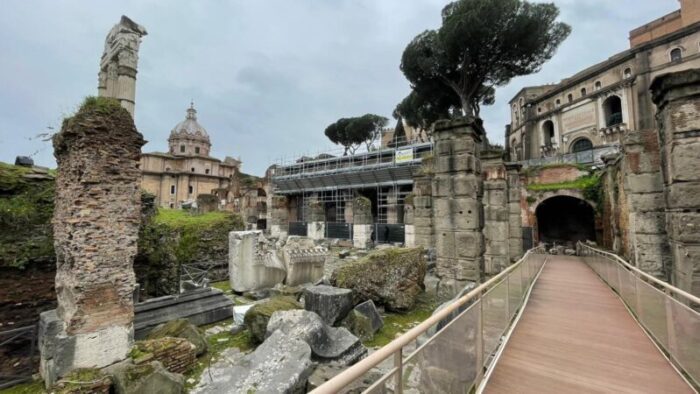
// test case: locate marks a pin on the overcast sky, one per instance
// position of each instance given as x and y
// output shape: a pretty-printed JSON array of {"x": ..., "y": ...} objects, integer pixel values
[{"x": 266, "y": 76}]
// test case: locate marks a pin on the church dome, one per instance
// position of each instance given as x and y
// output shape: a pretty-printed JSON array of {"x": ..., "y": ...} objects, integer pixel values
[
  {"x": 190, "y": 128},
  {"x": 189, "y": 138}
]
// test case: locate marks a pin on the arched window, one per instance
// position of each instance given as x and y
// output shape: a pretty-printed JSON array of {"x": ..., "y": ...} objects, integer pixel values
[
  {"x": 539, "y": 109},
  {"x": 598, "y": 85},
  {"x": 583, "y": 92},
  {"x": 676, "y": 55},
  {"x": 570, "y": 97},
  {"x": 182, "y": 148},
  {"x": 196, "y": 150},
  {"x": 581, "y": 144},
  {"x": 612, "y": 109},
  {"x": 548, "y": 133},
  {"x": 558, "y": 102},
  {"x": 627, "y": 73}
]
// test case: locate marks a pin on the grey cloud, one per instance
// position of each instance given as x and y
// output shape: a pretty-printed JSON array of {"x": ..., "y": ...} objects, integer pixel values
[{"x": 266, "y": 76}]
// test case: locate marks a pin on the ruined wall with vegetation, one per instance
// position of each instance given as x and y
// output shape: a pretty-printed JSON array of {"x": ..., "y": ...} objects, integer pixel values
[
  {"x": 172, "y": 237},
  {"x": 27, "y": 261}
]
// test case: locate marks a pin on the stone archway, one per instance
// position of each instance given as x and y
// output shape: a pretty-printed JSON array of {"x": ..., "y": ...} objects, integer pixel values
[{"x": 565, "y": 219}]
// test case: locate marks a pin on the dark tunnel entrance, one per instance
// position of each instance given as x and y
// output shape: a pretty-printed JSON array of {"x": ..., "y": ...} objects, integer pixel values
[{"x": 565, "y": 220}]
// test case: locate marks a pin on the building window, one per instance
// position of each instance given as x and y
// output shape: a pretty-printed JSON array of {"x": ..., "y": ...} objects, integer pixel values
[
  {"x": 206, "y": 171},
  {"x": 167, "y": 169},
  {"x": 612, "y": 109},
  {"x": 182, "y": 148},
  {"x": 190, "y": 189},
  {"x": 192, "y": 169},
  {"x": 196, "y": 150},
  {"x": 172, "y": 189},
  {"x": 581, "y": 144},
  {"x": 558, "y": 102},
  {"x": 583, "y": 92},
  {"x": 548, "y": 131},
  {"x": 172, "y": 205},
  {"x": 676, "y": 55},
  {"x": 627, "y": 73},
  {"x": 598, "y": 85},
  {"x": 539, "y": 109},
  {"x": 570, "y": 97}
]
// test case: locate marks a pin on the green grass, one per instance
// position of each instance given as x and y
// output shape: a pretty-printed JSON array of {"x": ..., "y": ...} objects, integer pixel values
[
  {"x": 399, "y": 323},
  {"x": 580, "y": 183},
  {"x": 181, "y": 219},
  {"x": 217, "y": 344},
  {"x": 35, "y": 387},
  {"x": 224, "y": 286}
]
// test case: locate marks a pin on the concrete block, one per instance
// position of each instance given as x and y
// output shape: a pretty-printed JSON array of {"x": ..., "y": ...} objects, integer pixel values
[
  {"x": 644, "y": 183},
  {"x": 253, "y": 264},
  {"x": 686, "y": 267},
  {"x": 496, "y": 197},
  {"x": 496, "y": 247},
  {"x": 445, "y": 245},
  {"x": 316, "y": 230},
  {"x": 466, "y": 185},
  {"x": 495, "y": 214},
  {"x": 647, "y": 202},
  {"x": 649, "y": 222},
  {"x": 361, "y": 235},
  {"x": 684, "y": 162},
  {"x": 469, "y": 244},
  {"x": 683, "y": 195},
  {"x": 684, "y": 227},
  {"x": 464, "y": 145},
  {"x": 422, "y": 201},
  {"x": 409, "y": 236}
]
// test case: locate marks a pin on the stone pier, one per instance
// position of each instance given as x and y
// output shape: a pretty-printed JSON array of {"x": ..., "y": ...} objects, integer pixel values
[
  {"x": 643, "y": 185},
  {"x": 361, "y": 222},
  {"x": 423, "y": 207},
  {"x": 96, "y": 223},
  {"x": 456, "y": 203},
  {"x": 515, "y": 221},
  {"x": 117, "y": 76},
  {"x": 279, "y": 216},
  {"x": 316, "y": 226},
  {"x": 677, "y": 97},
  {"x": 496, "y": 214}
]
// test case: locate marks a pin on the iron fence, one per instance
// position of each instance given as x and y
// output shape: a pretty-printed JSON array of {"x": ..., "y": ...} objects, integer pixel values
[
  {"x": 389, "y": 233},
  {"x": 17, "y": 355},
  {"x": 668, "y": 314},
  {"x": 338, "y": 230},
  {"x": 298, "y": 228}
]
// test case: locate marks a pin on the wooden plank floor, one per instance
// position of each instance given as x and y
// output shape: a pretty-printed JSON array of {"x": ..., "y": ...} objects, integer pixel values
[{"x": 576, "y": 336}]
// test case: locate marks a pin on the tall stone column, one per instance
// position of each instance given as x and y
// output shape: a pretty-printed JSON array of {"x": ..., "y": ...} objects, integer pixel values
[
  {"x": 117, "y": 76},
  {"x": 643, "y": 185},
  {"x": 677, "y": 97},
  {"x": 515, "y": 221},
  {"x": 496, "y": 214},
  {"x": 361, "y": 222},
  {"x": 96, "y": 224},
  {"x": 279, "y": 216},
  {"x": 457, "y": 209}
]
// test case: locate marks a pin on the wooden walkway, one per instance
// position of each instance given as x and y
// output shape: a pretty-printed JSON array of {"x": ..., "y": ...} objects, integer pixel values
[{"x": 575, "y": 336}]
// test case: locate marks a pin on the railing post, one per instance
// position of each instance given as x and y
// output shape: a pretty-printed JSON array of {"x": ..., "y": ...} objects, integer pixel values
[
  {"x": 398, "y": 364},
  {"x": 508, "y": 298},
  {"x": 670, "y": 326},
  {"x": 479, "y": 341},
  {"x": 638, "y": 301}
]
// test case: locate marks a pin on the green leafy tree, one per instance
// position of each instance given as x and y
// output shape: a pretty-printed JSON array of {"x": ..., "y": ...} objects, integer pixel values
[
  {"x": 481, "y": 44},
  {"x": 351, "y": 133}
]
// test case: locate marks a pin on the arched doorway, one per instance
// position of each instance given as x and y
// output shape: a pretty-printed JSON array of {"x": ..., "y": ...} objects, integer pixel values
[
  {"x": 565, "y": 220},
  {"x": 548, "y": 133}
]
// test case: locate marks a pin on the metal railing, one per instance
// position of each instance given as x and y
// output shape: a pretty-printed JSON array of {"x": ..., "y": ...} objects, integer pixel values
[
  {"x": 593, "y": 156},
  {"x": 462, "y": 349},
  {"x": 17, "y": 353},
  {"x": 668, "y": 314}
]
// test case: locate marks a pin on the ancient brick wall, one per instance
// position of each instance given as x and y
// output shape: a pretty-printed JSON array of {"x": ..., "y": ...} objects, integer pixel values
[
  {"x": 177, "y": 355},
  {"x": 97, "y": 216}
]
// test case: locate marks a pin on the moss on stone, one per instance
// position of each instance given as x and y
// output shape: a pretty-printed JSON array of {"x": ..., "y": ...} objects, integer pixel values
[
  {"x": 398, "y": 323},
  {"x": 217, "y": 344},
  {"x": 36, "y": 387},
  {"x": 26, "y": 209},
  {"x": 258, "y": 315}
]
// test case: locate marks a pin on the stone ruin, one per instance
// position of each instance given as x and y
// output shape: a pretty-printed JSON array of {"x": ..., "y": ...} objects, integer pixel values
[
  {"x": 96, "y": 223},
  {"x": 256, "y": 262},
  {"x": 117, "y": 76}
]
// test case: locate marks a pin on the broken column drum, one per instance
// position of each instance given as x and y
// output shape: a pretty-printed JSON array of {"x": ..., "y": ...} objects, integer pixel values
[{"x": 456, "y": 200}]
